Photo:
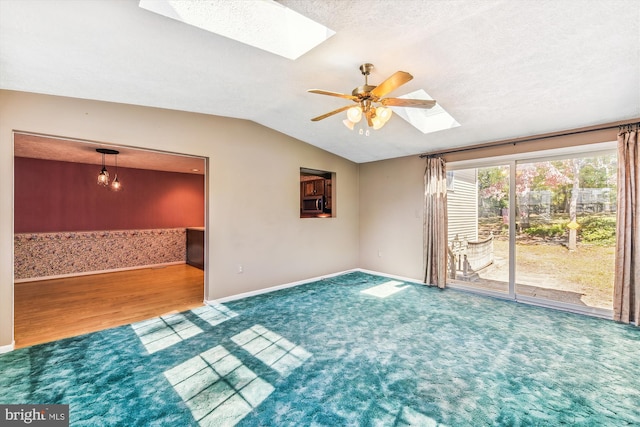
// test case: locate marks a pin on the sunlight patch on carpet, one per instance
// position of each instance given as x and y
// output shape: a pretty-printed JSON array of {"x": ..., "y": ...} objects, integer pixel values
[
  {"x": 387, "y": 414},
  {"x": 214, "y": 314},
  {"x": 272, "y": 349},
  {"x": 386, "y": 289},
  {"x": 325, "y": 354},
  {"x": 162, "y": 332},
  {"x": 412, "y": 417},
  {"x": 217, "y": 387}
]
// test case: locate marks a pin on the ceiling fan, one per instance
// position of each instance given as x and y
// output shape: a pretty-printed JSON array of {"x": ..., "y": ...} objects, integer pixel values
[{"x": 366, "y": 96}]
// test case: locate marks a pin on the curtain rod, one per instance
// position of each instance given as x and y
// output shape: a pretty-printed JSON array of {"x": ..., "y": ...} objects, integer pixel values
[{"x": 620, "y": 125}]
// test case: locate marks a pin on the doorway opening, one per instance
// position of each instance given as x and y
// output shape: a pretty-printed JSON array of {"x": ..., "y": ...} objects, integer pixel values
[{"x": 77, "y": 243}]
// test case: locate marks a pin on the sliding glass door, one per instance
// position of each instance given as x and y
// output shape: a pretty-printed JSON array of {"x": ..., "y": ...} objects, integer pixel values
[
  {"x": 540, "y": 230},
  {"x": 478, "y": 212},
  {"x": 566, "y": 225}
]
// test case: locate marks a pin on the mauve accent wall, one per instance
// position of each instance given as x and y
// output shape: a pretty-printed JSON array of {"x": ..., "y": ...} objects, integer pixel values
[{"x": 53, "y": 196}]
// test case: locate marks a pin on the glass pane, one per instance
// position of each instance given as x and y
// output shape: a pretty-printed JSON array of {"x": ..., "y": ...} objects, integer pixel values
[
  {"x": 566, "y": 220},
  {"x": 477, "y": 203}
]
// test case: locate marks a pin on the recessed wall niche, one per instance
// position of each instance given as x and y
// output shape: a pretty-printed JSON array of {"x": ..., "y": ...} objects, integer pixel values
[{"x": 317, "y": 193}]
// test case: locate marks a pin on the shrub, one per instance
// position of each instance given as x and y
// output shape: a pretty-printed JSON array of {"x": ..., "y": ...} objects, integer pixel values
[
  {"x": 598, "y": 229},
  {"x": 546, "y": 230}
]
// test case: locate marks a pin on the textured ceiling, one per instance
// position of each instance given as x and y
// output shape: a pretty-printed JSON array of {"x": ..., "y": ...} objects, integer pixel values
[
  {"x": 502, "y": 68},
  {"x": 49, "y": 148}
]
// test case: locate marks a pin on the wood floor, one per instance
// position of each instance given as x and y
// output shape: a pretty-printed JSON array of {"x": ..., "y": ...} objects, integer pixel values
[{"x": 59, "y": 308}]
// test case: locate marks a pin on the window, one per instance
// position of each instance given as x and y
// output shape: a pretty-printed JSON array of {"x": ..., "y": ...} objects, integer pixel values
[
  {"x": 316, "y": 193},
  {"x": 451, "y": 181},
  {"x": 538, "y": 227}
]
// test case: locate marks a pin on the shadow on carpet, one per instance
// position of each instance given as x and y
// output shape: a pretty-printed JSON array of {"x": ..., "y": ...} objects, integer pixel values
[{"x": 355, "y": 349}]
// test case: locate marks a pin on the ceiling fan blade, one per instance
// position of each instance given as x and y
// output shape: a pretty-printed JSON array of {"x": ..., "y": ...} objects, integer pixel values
[
  {"x": 414, "y": 103},
  {"x": 331, "y": 113},
  {"x": 396, "y": 80},
  {"x": 326, "y": 92}
]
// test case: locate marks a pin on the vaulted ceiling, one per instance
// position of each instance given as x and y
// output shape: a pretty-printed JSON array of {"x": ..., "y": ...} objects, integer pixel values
[{"x": 502, "y": 68}]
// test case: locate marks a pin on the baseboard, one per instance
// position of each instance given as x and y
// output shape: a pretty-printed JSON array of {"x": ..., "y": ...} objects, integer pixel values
[
  {"x": 305, "y": 281},
  {"x": 90, "y": 273},
  {"x": 275, "y": 288},
  {"x": 589, "y": 311},
  {"x": 7, "y": 348}
]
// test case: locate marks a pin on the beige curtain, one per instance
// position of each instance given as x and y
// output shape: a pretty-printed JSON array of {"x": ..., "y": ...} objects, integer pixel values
[
  {"x": 626, "y": 289},
  {"x": 435, "y": 222}
]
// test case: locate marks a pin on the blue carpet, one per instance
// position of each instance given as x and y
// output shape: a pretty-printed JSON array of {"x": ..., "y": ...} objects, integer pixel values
[{"x": 328, "y": 354}]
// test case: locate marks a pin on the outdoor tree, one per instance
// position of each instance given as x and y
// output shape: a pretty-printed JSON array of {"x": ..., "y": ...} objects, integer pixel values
[
  {"x": 550, "y": 188},
  {"x": 493, "y": 186},
  {"x": 576, "y": 165}
]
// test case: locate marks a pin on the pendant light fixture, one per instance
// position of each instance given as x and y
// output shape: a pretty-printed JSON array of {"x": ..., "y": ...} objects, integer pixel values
[
  {"x": 103, "y": 176},
  {"x": 115, "y": 184}
]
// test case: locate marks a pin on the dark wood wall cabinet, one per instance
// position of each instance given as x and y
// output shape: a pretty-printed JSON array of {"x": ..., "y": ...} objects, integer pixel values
[
  {"x": 313, "y": 188},
  {"x": 315, "y": 198},
  {"x": 195, "y": 247}
]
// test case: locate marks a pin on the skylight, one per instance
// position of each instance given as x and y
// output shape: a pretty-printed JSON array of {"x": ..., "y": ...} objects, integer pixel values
[
  {"x": 426, "y": 121},
  {"x": 264, "y": 24}
]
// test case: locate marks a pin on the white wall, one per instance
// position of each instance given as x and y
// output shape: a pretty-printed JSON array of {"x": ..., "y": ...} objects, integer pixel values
[
  {"x": 253, "y": 190},
  {"x": 391, "y": 216}
]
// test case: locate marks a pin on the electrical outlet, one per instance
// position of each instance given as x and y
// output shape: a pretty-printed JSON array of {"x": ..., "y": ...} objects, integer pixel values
[
  {"x": 379, "y": 253},
  {"x": 240, "y": 269}
]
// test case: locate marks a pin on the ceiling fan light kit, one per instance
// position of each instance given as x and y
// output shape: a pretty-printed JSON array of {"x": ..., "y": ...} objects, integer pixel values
[
  {"x": 367, "y": 96},
  {"x": 354, "y": 114},
  {"x": 348, "y": 123}
]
